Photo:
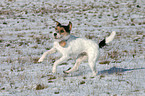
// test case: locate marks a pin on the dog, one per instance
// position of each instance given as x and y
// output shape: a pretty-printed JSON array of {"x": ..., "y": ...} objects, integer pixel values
[{"x": 69, "y": 45}]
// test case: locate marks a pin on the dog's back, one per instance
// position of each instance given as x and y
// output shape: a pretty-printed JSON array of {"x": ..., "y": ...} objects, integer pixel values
[{"x": 77, "y": 46}]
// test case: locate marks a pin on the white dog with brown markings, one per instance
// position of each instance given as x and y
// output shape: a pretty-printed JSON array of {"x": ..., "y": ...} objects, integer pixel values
[{"x": 69, "y": 45}]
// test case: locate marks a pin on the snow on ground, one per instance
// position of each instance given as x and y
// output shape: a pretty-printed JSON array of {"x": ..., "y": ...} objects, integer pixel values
[{"x": 26, "y": 28}]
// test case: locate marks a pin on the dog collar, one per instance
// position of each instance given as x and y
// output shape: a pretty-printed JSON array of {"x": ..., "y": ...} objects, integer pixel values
[{"x": 68, "y": 39}]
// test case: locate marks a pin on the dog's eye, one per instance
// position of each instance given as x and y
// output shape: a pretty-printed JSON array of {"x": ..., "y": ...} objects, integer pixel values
[{"x": 61, "y": 31}]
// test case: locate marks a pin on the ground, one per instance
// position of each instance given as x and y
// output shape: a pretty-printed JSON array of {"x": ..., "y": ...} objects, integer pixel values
[{"x": 26, "y": 29}]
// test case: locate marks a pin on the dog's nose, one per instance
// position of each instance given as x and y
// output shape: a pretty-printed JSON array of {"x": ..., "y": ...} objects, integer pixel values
[{"x": 55, "y": 34}]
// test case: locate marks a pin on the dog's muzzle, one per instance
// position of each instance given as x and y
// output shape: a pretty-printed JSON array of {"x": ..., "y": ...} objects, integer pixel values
[{"x": 57, "y": 36}]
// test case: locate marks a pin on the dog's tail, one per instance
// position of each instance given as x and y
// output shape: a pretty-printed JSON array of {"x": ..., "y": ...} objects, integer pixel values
[{"x": 107, "y": 40}]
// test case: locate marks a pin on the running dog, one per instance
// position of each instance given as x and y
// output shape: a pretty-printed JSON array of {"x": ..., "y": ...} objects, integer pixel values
[{"x": 69, "y": 45}]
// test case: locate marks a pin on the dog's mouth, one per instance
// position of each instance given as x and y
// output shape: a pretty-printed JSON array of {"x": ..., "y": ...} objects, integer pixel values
[
  {"x": 55, "y": 37},
  {"x": 58, "y": 37}
]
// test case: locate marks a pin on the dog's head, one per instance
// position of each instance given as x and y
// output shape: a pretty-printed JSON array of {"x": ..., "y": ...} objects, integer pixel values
[{"x": 62, "y": 30}]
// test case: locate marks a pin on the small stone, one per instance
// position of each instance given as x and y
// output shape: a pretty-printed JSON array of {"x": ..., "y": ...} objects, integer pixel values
[
  {"x": 82, "y": 82},
  {"x": 138, "y": 6},
  {"x": 56, "y": 92},
  {"x": 40, "y": 87}
]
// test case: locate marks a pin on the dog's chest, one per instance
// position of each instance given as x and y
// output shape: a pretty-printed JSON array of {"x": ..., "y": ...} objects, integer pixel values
[{"x": 64, "y": 44}]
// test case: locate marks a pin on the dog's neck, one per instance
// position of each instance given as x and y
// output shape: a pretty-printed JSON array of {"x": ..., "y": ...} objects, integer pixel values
[
  {"x": 66, "y": 37},
  {"x": 64, "y": 40}
]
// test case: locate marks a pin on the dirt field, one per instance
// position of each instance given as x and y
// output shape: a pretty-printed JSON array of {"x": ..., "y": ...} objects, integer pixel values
[{"x": 26, "y": 29}]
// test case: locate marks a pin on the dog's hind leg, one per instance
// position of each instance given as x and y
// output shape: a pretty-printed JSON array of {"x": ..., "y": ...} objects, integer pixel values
[
  {"x": 80, "y": 59},
  {"x": 93, "y": 67},
  {"x": 92, "y": 58}
]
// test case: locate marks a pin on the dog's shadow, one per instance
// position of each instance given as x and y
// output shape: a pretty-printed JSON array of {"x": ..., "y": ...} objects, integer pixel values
[
  {"x": 116, "y": 70},
  {"x": 113, "y": 70}
]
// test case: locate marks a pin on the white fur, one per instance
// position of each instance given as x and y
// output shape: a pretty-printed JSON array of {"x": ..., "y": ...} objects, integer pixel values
[
  {"x": 111, "y": 37},
  {"x": 77, "y": 47}
]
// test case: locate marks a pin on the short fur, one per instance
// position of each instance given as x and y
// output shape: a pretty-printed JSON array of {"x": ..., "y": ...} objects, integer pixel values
[{"x": 83, "y": 48}]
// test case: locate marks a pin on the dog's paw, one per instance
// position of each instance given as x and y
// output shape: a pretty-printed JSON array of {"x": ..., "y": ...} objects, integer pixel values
[
  {"x": 40, "y": 60},
  {"x": 94, "y": 74}
]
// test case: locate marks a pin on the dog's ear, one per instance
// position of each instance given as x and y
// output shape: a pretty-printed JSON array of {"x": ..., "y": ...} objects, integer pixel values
[
  {"x": 57, "y": 23},
  {"x": 70, "y": 25}
]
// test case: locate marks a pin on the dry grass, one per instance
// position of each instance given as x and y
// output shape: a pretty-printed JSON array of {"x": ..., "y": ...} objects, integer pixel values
[
  {"x": 104, "y": 62},
  {"x": 22, "y": 44},
  {"x": 41, "y": 87}
]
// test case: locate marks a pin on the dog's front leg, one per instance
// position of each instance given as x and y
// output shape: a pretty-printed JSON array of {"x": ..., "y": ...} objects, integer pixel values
[
  {"x": 58, "y": 62},
  {"x": 53, "y": 50}
]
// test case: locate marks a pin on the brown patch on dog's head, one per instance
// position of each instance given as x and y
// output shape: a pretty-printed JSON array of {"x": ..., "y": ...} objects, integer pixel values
[{"x": 63, "y": 30}]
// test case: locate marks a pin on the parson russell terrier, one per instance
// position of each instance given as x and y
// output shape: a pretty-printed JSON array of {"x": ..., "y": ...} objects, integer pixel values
[{"x": 69, "y": 45}]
